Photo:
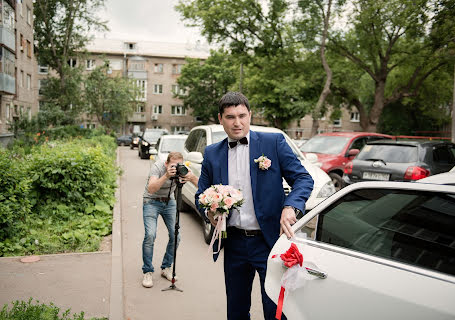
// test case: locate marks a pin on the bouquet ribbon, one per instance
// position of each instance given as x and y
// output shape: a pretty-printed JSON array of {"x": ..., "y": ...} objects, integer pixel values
[{"x": 220, "y": 228}]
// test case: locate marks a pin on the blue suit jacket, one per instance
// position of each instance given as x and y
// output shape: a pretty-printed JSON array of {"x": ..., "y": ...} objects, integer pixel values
[{"x": 266, "y": 185}]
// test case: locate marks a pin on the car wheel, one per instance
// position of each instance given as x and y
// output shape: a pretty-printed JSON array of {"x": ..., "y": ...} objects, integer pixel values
[
  {"x": 207, "y": 230},
  {"x": 337, "y": 180},
  {"x": 122, "y": 144},
  {"x": 131, "y": 147}
]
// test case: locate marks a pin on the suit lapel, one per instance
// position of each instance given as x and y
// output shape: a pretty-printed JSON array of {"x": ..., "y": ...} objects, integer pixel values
[
  {"x": 254, "y": 154},
  {"x": 224, "y": 163}
]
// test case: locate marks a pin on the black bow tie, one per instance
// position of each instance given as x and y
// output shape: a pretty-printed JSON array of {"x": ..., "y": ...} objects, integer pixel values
[{"x": 233, "y": 144}]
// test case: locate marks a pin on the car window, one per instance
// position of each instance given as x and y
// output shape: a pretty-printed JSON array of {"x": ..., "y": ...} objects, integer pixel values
[
  {"x": 191, "y": 141},
  {"x": 414, "y": 227},
  {"x": 218, "y": 136},
  {"x": 389, "y": 153},
  {"x": 358, "y": 143},
  {"x": 172, "y": 145},
  {"x": 325, "y": 144},
  {"x": 152, "y": 135},
  {"x": 443, "y": 155},
  {"x": 202, "y": 142}
]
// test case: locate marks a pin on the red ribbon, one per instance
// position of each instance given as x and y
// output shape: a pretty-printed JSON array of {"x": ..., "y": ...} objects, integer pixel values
[
  {"x": 290, "y": 258},
  {"x": 279, "y": 307}
]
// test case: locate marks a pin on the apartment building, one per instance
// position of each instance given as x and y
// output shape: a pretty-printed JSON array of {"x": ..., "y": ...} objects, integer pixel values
[
  {"x": 155, "y": 68},
  {"x": 18, "y": 66}
]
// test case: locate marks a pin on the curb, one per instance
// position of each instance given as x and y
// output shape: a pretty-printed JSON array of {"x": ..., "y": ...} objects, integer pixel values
[{"x": 116, "y": 308}]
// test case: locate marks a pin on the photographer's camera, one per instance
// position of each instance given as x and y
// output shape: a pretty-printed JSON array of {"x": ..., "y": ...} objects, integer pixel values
[{"x": 181, "y": 170}]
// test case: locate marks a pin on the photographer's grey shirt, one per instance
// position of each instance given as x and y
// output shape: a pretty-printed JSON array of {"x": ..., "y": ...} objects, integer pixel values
[{"x": 158, "y": 170}]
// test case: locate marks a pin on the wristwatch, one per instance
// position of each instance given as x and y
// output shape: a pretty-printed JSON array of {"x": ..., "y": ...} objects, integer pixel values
[{"x": 298, "y": 212}]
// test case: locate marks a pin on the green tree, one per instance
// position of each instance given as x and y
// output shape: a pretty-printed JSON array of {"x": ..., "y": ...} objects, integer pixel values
[
  {"x": 389, "y": 42},
  {"x": 110, "y": 99},
  {"x": 205, "y": 82}
]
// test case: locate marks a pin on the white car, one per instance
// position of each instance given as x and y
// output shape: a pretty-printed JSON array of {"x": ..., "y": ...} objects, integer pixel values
[
  {"x": 380, "y": 250},
  {"x": 202, "y": 136},
  {"x": 168, "y": 143}
]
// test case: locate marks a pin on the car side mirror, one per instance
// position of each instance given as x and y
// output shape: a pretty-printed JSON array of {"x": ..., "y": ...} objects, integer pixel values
[
  {"x": 195, "y": 157},
  {"x": 153, "y": 151},
  {"x": 311, "y": 157},
  {"x": 353, "y": 152}
]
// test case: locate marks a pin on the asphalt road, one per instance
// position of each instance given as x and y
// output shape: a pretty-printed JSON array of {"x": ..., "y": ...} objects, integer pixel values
[{"x": 201, "y": 280}]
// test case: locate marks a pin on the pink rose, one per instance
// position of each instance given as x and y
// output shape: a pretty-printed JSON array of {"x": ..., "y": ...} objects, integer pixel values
[
  {"x": 229, "y": 202},
  {"x": 214, "y": 206}
]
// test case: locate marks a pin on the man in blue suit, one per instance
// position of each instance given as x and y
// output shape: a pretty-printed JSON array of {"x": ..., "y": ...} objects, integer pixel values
[{"x": 266, "y": 213}]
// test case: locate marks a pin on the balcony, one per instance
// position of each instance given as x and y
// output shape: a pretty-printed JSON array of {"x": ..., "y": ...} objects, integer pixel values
[
  {"x": 7, "y": 38},
  {"x": 7, "y": 84},
  {"x": 138, "y": 75},
  {"x": 137, "y": 117}
]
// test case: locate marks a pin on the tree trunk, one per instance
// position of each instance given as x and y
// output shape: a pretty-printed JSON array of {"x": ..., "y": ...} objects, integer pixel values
[
  {"x": 328, "y": 81},
  {"x": 376, "y": 110},
  {"x": 453, "y": 107}
]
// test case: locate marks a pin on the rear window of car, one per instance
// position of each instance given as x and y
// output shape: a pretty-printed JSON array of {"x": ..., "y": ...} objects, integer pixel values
[
  {"x": 389, "y": 153},
  {"x": 325, "y": 144},
  {"x": 152, "y": 135},
  {"x": 172, "y": 145}
]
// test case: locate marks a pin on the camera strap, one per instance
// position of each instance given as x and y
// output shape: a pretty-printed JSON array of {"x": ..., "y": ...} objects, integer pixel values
[{"x": 169, "y": 193}]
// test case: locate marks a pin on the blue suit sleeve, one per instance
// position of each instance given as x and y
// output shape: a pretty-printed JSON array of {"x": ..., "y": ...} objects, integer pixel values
[
  {"x": 205, "y": 181},
  {"x": 295, "y": 175}
]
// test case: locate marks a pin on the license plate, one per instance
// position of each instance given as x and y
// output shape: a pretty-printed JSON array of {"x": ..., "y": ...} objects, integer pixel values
[{"x": 376, "y": 176}]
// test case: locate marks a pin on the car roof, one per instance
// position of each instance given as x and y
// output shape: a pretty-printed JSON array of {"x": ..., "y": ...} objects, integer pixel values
[
  {"x": 410, "y": 142},
  {"x": 447, "y": 178},
  {"x": 354, "y": 134},
  {"x": 174, "y": 136}
]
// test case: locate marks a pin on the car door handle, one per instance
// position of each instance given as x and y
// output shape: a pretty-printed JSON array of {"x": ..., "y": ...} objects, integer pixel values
[{"x": 317, "y": 273}]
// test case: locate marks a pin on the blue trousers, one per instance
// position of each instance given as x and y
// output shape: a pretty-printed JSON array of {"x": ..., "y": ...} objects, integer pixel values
[
  {"x": 150, "y": 211},
  {"x": 243, "y": 256}
]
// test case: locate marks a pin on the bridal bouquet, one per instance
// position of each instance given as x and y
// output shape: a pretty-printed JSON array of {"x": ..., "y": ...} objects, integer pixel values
[{"x": 219, "y": 199}]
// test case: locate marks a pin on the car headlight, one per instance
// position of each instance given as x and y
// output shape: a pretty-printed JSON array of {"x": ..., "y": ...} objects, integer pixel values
[
  {"x": 145, "y": 143},
  {"x": 327, "y": 190}
]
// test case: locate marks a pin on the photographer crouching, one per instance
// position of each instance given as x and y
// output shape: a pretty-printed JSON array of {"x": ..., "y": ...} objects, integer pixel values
[{"x": 158, "y": 200}]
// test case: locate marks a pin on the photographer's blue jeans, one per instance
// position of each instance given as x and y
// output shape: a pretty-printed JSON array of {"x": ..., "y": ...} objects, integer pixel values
[{"x": 150, "y": 211}]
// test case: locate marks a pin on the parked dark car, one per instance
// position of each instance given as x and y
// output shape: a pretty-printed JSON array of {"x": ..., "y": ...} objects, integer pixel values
[
  {"x": 334, "y": 150},
  {"x": 135, "y": 141},
  {"x": 400, "y": 161},
  {"x": 148, "y": 141},
  {"x": 124, "y": 140}
]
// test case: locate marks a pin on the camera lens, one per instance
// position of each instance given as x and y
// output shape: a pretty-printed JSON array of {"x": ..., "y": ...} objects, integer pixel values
[{"x": 182, "y": 170}]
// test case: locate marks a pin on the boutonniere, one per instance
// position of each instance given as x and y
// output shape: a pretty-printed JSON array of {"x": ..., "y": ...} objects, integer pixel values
[{"x": 263, "y": 162}]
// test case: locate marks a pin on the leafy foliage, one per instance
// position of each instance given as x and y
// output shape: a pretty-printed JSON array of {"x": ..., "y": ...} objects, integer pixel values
[
  {"x": 69, "y": 187},
  {"x": 21, "y": 310}
]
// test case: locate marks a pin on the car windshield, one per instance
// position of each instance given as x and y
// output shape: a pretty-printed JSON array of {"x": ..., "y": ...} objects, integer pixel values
[
  {"x": 325, "y": 144},
  {"x": 389, "y": 153},
  {"x": 152, "y": 135},
  {"x": 172, "y": 145}
]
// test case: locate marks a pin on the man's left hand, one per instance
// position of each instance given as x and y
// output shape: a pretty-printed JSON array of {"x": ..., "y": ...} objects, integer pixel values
[
  {"x": 288, "y": 218},
  {"x": 189, "y": 177}
]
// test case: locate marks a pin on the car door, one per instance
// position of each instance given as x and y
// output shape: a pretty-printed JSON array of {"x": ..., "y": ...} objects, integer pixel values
[{"x": 387, "y": 250}]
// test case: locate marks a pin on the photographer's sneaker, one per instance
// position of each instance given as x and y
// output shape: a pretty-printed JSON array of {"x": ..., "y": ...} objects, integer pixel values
[
  {"x": 147, "y": 281},
  {"x": 167, "y": 273}
]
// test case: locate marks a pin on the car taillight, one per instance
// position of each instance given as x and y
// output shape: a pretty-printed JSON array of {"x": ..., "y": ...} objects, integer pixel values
[
  {"x": 348, "y": 168},
  {"x": 416, "y": 173}
]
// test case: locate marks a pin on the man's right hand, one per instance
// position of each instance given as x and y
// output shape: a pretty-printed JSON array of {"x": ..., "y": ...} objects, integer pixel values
[{"x": 171, "y": 171}]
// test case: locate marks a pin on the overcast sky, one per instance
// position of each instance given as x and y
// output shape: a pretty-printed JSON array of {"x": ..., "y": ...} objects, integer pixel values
[{"x": 153, "y": 20}]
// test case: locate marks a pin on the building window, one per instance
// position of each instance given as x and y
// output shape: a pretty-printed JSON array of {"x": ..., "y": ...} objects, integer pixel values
[
  {"x": 158, "y": 89},
  {"x": 337, "y": 123},
  {"x": 130, "y": 45},
  {"x": 178, "y": 110},
  {"x": 355, "y": 117},
  {"x": 137, "y": 66},
  {"x": 21, "y": 79},
  {"x": 72, "y": 63},
  {"x": 41, "y": 86},
  {"x": 7, "y": 62},
  {"x": 21, "y": 8},
  {"x": 43, "y": 69},
  {"x": 22, "y": 42},
  {"x": 1, "y": 113},
  {"x": 29, "y": 82},
  {"x": 91, "y": 126},
  {"x": 8, "y": 113},
  {"x": 140, "y": 107},
  {"x": 176, "y": 129},
  {"x": 158, "y": 68},
  {"x": 29, "y": 16},
  {"x": 8, "y": 17},
  {"x": 90, "y": 64},
  {"x": 157, "y": 127},
  {"x": 141, "y": 85},
  {"x": 176, "y": 68},
  {"x": 177, "y": 90},
  {"x": 29, "y": 49},
  {"x": 157, "y": 109}
]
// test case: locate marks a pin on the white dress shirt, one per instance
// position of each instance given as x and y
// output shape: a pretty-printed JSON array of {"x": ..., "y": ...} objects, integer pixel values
[{"x": 239, "y": 177}]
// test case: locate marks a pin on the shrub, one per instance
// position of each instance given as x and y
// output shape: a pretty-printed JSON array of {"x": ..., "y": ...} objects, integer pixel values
[{"x": 26, "y": 310}]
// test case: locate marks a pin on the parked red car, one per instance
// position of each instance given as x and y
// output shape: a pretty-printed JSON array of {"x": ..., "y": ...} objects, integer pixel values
[{"x": 334, "y": 150}]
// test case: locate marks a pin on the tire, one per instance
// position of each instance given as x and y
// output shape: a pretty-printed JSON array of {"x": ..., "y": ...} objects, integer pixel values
[
  {"x": 337, "y": 180},
  {"x": 207, "y": 231}
]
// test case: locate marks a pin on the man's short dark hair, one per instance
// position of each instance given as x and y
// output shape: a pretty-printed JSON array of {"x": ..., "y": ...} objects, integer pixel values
[{"x": 232, "y": 99}]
